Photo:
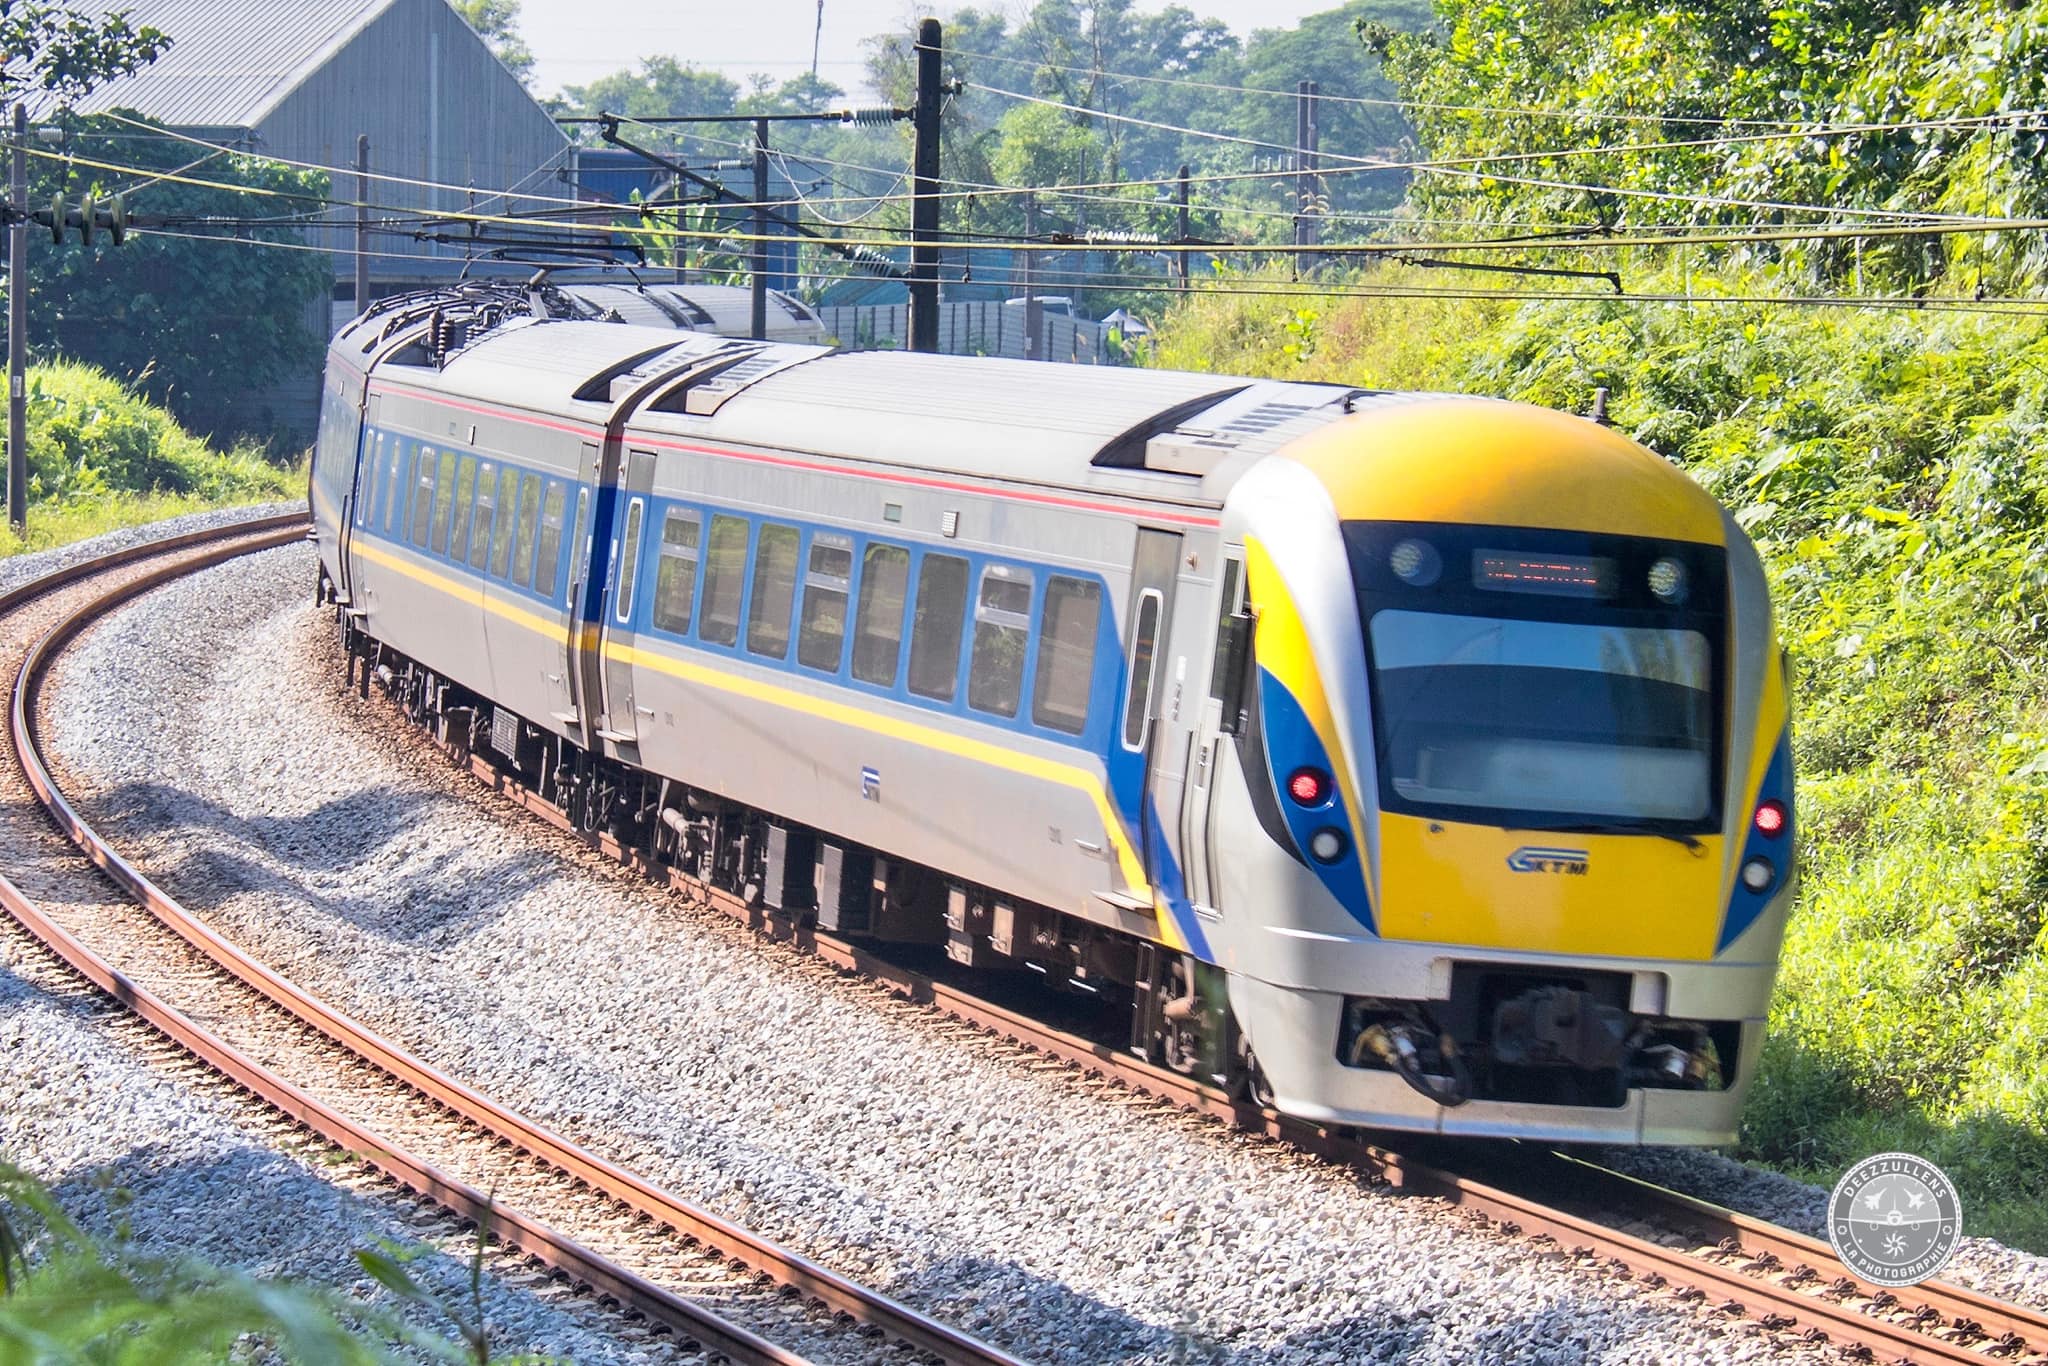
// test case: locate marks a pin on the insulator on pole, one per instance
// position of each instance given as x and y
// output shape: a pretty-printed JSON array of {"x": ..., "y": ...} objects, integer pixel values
[
  {"x": 86, "y": 209},
  {"x": 868, "y": 117},
  {"x": 57, "y": 218}
]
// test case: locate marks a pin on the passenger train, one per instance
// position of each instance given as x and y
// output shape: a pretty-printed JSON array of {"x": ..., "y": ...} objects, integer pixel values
[{"x": 1400, "y": 760}]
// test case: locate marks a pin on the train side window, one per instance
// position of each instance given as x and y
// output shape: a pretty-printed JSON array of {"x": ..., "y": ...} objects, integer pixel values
[
  {"x": 675, "y": 576},
  {"x": 394, "y": 489},
  {"x": 480, "y": 523},
  {"x": 1002, "y": 626},
  {"x": 370, "y": 479},
  {"x": 878, "y": 625},
  {"x": 529, "y": 514},
  {"x": 935, "y": 634},
  {"x": 629, "y": 557},
  {"x": 579, "y": 543},
  {"x": 422, "y": 496},
  {"x": 1066, "y": 653},
  {"x": 548, "y": 566},
  {"x": 821, "y": 638},
  {"x": 1219, "y": 676},
  {"x": 774, "y": 590},
  {"x": 501, "y": 524},
  {"x": 1144, "y": 641},
  {"x": 1232, "y": 674},
  {"x": 444, "y": 499},
  {"x": 725, "y": 576},
  {"x": 465, "y": 490}
]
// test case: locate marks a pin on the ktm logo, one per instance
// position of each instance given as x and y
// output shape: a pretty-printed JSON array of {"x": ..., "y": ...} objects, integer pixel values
[{"x": 1535, "y": 859}]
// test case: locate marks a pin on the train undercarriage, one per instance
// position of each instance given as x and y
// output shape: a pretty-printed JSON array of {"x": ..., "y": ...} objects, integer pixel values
[{"x": 1176, "y": 1006}]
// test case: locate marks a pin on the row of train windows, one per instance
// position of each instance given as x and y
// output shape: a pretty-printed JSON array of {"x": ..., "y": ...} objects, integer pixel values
[
  {"x": 1068, "y": 614},
  {"x": 492, "y": 517}
]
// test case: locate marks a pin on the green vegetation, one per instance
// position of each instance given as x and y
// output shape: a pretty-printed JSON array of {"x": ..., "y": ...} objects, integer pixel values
[
  {"x": 195, "y": 324},
  {"x": 101, "y": 457}
]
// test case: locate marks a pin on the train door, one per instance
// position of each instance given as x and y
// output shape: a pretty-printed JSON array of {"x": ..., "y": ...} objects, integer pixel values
[
  {"x": 356, "y": 507},
  {"x": 1216, "y": 720},
  {"x": 630, "y": 516},
  {"x": 582, "y": 609},
  {"x": 1143, "y": 728}
]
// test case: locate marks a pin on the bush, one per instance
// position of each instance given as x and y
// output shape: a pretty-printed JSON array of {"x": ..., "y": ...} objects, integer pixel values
[{"x": 89, "y": 437}]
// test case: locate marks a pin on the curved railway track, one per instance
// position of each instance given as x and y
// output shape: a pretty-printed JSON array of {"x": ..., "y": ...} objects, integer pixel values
[
  {"x": 661, "y": 1257},
  {"x": 1743, "y": 1268}
]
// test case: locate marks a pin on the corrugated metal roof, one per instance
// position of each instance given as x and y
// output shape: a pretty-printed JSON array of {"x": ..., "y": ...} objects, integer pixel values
[{"x": 230, "y": 61}]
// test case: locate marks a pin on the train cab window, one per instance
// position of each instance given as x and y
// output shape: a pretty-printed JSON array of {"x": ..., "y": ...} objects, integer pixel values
[
  {"x": 725, "y": 577},
  {"x": 1144, "y": 641},
  {"x": 821, "y": 636},
  {"x": 1002, "y": 625},
  {"x": 629, "y": 558},
  {"x": 935, "y": 634},
  {"x": 675, "y": 575},
  {"x": 774, "y": 590},
  {"x": 394, "y": 489},
  {"x": 501, "y": 521},
  {"x": 878, "y": 625},
  {"x": 548, "y": 566},
  {"x": 1066, "y": 653},
  {"x": 422, "y": 495},
  {"x": 529, "y": 515},
  {"x": 465, "y": 490},
  {"x": 480, "y": 523}
]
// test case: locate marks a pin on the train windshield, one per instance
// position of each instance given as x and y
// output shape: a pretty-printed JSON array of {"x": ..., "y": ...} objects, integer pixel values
[
  {"x": 1543, "y": 679},
  {"x": 1552, "y": 718}
]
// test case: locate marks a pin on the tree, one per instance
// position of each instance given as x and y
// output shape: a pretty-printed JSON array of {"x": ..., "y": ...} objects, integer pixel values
[
  {"x": 497, "y": 23},
  {"x": 195, "y": 324},
  {"x": 67, "y": 49}
]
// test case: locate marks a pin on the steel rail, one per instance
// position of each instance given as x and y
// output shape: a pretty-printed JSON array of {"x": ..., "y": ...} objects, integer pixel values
[
  {"x": 684, "y": 1316},
  {"x": 1943, "y": 1322}
]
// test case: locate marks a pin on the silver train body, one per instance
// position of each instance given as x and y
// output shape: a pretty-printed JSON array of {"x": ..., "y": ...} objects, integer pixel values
[{"x": 1406, "y": 761}]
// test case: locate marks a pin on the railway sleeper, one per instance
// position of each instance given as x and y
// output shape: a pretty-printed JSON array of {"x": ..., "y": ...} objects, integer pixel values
[{"x": 1177, "y": 1006}]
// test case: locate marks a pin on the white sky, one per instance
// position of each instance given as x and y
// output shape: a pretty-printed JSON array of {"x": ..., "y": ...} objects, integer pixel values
[{"x": 575, "y": 41}]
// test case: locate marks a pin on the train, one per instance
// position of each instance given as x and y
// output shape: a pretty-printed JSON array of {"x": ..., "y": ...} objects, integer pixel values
[{"x": 1403, "y": 761}]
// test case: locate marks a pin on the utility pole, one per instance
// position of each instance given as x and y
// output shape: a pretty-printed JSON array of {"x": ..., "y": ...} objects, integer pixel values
[
  {"x": 1180, "y": 197},
  {"x": 17, "y": 333},
  {"x": 362, "y": 221},
  {"x": 760, "y": 281},
  {"x": 1034, "y": 312},
  {"x": 924, "y": 190},
  {"x": 1306, "y": 137}
]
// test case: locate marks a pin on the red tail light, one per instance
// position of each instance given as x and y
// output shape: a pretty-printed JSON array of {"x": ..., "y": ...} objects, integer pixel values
[
  {"x": 1770, "y": 819},
  {"x": 1308, "y": 786}
]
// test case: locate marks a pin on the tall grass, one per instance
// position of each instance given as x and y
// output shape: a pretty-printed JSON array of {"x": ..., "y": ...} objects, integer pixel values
[
  {"x": 1894, "y": 471},
  {"x": 100, "y": 457}
]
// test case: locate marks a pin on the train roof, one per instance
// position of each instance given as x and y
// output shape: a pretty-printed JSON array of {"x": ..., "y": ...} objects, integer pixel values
[{"x": 993, "y": 418}]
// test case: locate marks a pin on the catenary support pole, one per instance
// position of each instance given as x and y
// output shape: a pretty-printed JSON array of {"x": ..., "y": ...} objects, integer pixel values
[
  {"x": 17, "y": 332},
  {"x": 1034, "y": 312},
  {"x": 362, "y": 221},
  {"x": 924, "y": 190},
  {"x": 1180, "y": 197},
  {"x": 759, "y": 329}
]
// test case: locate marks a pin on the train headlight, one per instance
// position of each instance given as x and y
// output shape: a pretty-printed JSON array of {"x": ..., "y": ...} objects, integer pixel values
[
  {"x": 1326, "y": 845},
  {"x": 1758, "y": 874},
  {"x": 1669, "y": 581},
  {"x": 1770, "y": 818},
  {"x": 1309, "y": 786},
  {"x": 1415, "y": 563}
]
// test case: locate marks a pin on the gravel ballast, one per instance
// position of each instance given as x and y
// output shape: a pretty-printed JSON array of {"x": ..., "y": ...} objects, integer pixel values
[{"x": 1064, "y": 1223}]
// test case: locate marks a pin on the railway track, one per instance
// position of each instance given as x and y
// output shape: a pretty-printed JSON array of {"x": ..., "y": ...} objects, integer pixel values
[
  {"x": 730, "y": 1292},
  {"x": 1742, "y": 1268}
]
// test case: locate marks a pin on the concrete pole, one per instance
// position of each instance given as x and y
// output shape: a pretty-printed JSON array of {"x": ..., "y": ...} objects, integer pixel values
[
  {"x": 17, "y": 333},
  {"x": 1180, "y": 197},
  {"x": 924, "y": 193},
  {"x": 362, "y": 221},
  {"x": 1034, "y": 312},
  {"x": 759, "y": 330}
]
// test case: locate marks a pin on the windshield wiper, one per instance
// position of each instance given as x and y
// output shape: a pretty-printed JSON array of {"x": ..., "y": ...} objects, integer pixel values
[{"x": 1613, "y": 828}]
